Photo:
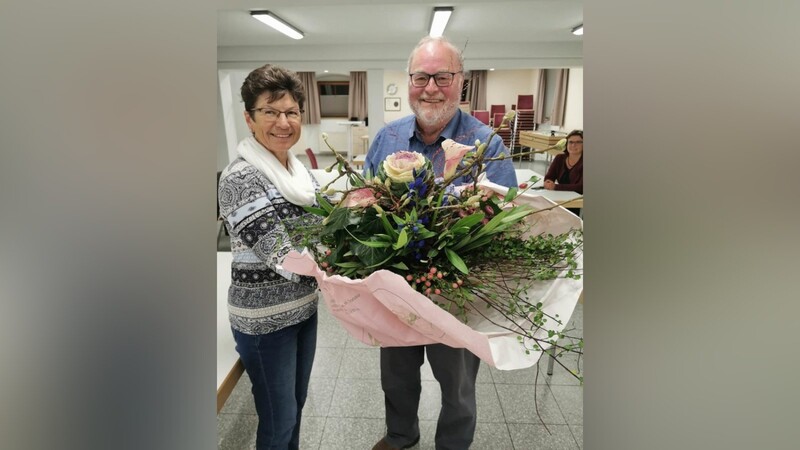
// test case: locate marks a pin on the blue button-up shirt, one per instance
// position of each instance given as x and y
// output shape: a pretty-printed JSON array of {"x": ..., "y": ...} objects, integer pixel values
[{"x": 402, "y": 134}]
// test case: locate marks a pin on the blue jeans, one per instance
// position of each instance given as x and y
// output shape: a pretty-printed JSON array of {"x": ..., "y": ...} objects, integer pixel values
[{"x": 279, "y": 365}]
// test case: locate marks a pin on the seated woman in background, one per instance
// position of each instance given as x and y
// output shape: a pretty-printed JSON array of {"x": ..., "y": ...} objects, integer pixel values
[{"x": 566, "y": 170}]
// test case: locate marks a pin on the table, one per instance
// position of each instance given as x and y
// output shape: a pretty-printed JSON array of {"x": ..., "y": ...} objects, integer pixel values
[
  {"x": 539, "y": 141},
  {"x": 229, "y": 367},
  {"x": 349, "y": 124},
  {"x": 358, "y": 161},
  {"x": 573, "y": 199}
]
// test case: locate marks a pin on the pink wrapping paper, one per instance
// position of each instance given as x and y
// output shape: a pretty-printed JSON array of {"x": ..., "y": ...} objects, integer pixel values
[{"x": 383, "y": 310}]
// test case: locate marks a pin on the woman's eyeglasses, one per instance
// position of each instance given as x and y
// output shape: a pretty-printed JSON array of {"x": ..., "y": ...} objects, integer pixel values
[
  {"x": 442, "y": 79},
  {"x": 271, "y": 115}
]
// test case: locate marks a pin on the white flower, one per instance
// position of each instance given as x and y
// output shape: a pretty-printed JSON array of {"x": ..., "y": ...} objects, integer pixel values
[{"x": 401, "y": 165}]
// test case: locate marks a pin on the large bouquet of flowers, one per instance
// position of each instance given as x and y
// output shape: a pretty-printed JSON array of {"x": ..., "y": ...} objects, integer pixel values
[{"x": 407, "y": 258}]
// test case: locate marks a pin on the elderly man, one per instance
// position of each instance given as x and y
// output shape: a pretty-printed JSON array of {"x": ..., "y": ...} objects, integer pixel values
[{"x": 436, "y": 77}]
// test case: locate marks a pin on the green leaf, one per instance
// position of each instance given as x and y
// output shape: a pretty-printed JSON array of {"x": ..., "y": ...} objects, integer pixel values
[
  {"x": 370, "y": 256},
  {"x": 336, "y": 220},
  {"x": 387, "y": 226},
  {"x": 517, "y": 213},
  {"x": 381, "y": 263},
  {"x": 401, "y": 265},
  {"x": 349, "y": 264},
  {"x": 374, "y": 243},
  {"x": 456, "y": 260},
  {"x": 426, "y": 234},
  {"x": 489, "y": 227},
  {"x": 317, "y": 211},
  {"x": 398, "y": 220},
  {"x": 477, "y": 242},
  {"x": 468, "y": 221},
  {"x": 324, "y": 203},
  {"x": 511, "y": 194},
  {"x": 402, "y": 240}
]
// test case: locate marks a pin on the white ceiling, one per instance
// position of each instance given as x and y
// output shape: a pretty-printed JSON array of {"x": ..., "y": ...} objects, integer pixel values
[{"x": 344, "y": 35}]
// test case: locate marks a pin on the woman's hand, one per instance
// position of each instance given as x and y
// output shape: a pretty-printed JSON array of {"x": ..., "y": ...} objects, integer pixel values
[{"x": 550, "y": 185}]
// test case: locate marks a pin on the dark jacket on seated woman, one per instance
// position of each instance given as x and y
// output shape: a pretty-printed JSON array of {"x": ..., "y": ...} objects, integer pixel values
[{"x": 558, "y": 171}]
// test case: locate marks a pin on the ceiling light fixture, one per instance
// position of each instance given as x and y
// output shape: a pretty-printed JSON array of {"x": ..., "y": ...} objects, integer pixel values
[
  {"x": 578, "y": 31},
  {"x": 441, "y": 14},
  {"x": 277, "y": 23}
]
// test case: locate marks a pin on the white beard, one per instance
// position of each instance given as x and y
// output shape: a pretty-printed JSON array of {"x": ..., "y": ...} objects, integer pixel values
[{"x": 434, "y": 117}]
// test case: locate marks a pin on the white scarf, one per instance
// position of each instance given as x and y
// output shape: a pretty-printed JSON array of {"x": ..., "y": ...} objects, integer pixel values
[{"x": 295, "y": 184}]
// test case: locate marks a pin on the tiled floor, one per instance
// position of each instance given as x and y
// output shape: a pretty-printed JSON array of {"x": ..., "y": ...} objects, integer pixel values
[{"x": 344, "y": 410}]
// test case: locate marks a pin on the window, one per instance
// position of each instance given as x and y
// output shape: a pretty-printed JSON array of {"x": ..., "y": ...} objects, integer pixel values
[{"x": 333, "y": 98}]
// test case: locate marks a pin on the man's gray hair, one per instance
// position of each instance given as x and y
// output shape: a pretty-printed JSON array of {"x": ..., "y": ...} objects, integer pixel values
[{"x": 443, "y": 40}]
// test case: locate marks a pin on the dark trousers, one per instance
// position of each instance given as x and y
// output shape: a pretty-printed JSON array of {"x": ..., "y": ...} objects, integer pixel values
[
  {"x": 455, "y": 369},
  {"x": 279, "y": 365}
]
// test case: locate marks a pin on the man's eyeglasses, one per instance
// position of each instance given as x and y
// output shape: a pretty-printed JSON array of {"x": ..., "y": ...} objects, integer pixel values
[
  {"x": 442, "y": 79},
  {"x": 271, "y": 115}
]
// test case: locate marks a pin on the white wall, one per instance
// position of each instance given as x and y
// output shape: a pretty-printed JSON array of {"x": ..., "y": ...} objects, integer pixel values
[
  {"x": 399, "y": 78},
  {"x": 503, "y": 86}
]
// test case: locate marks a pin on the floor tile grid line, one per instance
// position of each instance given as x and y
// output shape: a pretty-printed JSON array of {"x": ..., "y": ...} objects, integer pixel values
[
  {"x": 333, "y": 396},
  {"x": 565, "y": 418},
  {"x": 502, "y": 411},
  {"x": 548, "y": 381}
]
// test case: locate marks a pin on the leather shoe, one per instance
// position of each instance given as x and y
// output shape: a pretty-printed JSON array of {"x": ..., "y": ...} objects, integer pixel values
[{"x": 383, "y": 445}]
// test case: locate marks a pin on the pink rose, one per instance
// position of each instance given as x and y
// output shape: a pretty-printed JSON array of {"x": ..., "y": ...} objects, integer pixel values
[
  {"x": 359, "y": 198},
  {"x": 453, "y": 153}
]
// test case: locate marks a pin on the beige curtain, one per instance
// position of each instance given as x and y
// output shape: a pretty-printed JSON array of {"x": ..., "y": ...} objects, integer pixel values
[
  {"x": 541, "y": 88},
  {"x": 477, "y": 89},
  {"x": 560, "y": 102},
  {"x": 357, "y": 101},
  {"x": 312, "y": 113}
]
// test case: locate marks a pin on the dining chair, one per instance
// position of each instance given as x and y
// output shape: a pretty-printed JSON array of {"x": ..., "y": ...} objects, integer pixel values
[
  {"x": 312, "y": 159},
  {"x": 482, "y": 115},
  {"x": 525, "y": 101},
  {"x": 495, "y": 109},
  {"x": 497, "y": 119}
]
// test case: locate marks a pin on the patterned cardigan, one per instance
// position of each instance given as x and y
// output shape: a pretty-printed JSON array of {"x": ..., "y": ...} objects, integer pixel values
[{"x": 262, "y": 298}]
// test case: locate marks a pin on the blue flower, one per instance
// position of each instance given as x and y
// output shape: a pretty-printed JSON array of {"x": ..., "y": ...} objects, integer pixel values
[{"x": 418, "y": 186}]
